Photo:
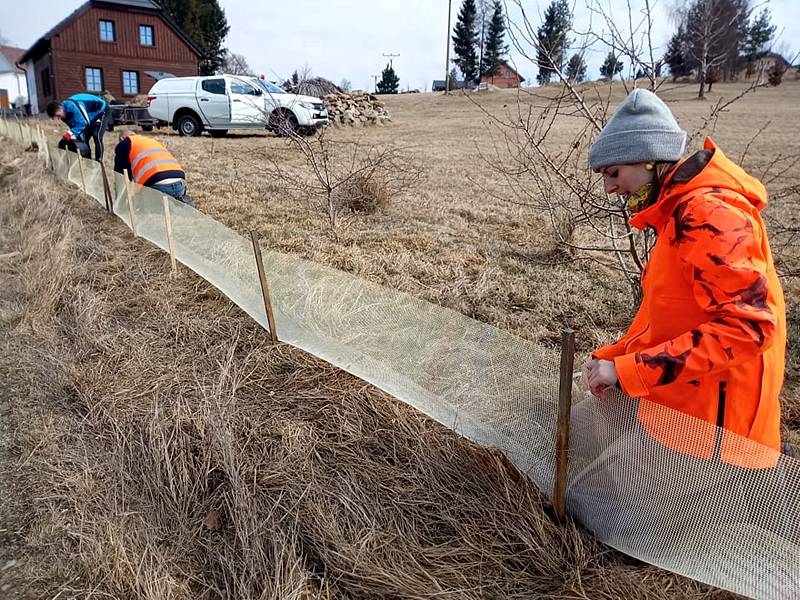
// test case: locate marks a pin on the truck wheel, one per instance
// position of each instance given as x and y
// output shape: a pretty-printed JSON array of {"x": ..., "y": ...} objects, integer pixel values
[
  {"x": 218, "y": 133},
  {"x": 283, "y": 123},
  {"x": 147, "y": 128},
  {"x": 189, "y": 126}
]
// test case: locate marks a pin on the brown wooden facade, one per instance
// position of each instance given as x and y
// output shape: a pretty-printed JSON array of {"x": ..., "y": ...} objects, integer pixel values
[
  {"x": 504, "y": 77},
  {"x": 61, "y": 58}
]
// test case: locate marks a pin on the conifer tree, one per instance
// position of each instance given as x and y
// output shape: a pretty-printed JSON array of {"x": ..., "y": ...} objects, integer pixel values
[
  {"x": 390, "y": 82},
  {"x": 496, "y": 49},
  {"x": 465, "y": 41},
  {"x": 553, "y": 39},
  {"x": 205, "y": 23},
  {"x": 611, "y": 66},
  {"x": 576, "y": 68}
]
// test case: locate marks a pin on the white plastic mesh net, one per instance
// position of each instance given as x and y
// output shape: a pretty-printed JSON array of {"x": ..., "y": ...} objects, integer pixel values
[{"x": 728, "y": 526}]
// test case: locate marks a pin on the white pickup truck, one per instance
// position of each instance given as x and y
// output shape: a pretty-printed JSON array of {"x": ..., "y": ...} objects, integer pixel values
[{"x": 220, "y": 103}]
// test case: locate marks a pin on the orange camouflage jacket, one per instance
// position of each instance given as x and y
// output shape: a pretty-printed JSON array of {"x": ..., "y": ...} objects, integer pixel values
[{"x": 709, "y": 338}]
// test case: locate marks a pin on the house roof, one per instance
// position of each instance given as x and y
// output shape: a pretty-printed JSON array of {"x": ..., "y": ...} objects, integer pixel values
[
  {"x": 777, "y": 56},
  {"x": 11, "y": 56},
  {"x": 510, "y": 68},
  {"x": 138, "y": 5}
]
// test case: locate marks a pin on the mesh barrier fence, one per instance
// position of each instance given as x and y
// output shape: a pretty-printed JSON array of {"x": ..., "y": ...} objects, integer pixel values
[{"x": 730, "y": 526}]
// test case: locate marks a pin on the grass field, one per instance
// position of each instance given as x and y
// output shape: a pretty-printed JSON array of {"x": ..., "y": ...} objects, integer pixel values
[{"x": 156, "y": 446}]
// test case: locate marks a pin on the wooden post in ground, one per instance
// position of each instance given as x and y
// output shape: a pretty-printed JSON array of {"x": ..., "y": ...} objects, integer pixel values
[
  {"x": 170, "y": 240},
  {"x": 562, "y": 434},
  {"x": 43, "y": 141},
  {"x": 128, "y": 193},
  {"x": 107, "y": 189},
  {"x": 264, "y": 289},
  {"x": 83, "y": 177}
]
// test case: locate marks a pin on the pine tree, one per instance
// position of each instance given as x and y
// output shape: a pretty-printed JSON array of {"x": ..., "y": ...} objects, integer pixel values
[
  {"x": 675, "y": 56},
  {"x": 553, "y": 39},
  {"x": 390, "y": 82},
  {"x": 465, "y": 39},
  {"x": 576, "y": 68},
  {"x": 496, "y": 49},
  {"x": 611, "y": 66},
  {"x": 759, "y": 34},
  {"x": 205, "y": 23}
]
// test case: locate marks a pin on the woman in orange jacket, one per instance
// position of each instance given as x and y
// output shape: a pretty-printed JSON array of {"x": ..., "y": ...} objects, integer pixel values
[{"x": 709, "y": 337}]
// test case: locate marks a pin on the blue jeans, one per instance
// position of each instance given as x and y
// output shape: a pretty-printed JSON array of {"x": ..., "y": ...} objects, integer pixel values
[{"x": 177, "y": 190}]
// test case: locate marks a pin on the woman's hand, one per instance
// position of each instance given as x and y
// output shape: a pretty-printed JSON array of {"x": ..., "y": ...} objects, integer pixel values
[{"x": 600, "y": 374}]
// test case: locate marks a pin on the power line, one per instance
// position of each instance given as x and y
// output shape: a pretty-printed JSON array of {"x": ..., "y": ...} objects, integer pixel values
[{"x": 390, "y": 57}]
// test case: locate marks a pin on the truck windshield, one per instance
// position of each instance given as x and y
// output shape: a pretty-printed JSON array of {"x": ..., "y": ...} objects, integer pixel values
[{"x": 270, "y": 88}]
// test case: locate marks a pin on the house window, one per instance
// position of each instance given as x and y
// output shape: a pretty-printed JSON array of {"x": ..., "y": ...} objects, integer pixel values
[
  {"x": 46, "y": 89},
  {"x": 130, "y": 83},
  {"x": 94, "y": 79},
  {"x": 107, "y": 31},
  {"x": 146, "y": 35}
]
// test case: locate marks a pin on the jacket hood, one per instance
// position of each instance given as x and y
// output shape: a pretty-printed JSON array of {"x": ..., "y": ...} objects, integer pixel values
[{"x": 707, "y": 169}]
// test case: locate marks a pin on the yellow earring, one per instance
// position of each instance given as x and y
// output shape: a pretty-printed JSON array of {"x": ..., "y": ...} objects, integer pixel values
[{"x": 649, "y": 166}]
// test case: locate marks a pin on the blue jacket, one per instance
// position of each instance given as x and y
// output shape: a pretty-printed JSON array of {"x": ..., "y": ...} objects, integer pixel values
[{"x": 81, "y": 110}]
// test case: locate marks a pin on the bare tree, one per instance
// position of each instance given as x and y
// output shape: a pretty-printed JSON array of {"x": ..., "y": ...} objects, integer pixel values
[
  {"x": 543, "y": 170},
  {"x": 235, "y": 64},
  {"x": 710, "y": 27}
]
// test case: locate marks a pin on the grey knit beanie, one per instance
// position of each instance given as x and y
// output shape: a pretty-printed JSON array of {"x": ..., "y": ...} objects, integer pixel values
[{"x": 641, "y": 130}]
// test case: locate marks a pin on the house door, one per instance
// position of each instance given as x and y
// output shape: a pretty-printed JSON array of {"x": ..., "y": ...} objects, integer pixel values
[{"x": 4, "y": 99}]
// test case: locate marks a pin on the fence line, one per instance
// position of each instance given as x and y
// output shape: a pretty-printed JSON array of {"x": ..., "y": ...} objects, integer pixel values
[{"x": 734, "y": 528}]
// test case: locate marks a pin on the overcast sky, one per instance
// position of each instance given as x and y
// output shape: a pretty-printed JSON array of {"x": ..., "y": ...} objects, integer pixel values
[{"x": 346, "y": 38}]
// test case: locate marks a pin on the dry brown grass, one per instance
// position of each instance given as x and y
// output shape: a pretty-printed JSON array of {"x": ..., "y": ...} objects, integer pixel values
[
  {"x": 167, "y": 451},
  {"x": 164, "y": 449}
]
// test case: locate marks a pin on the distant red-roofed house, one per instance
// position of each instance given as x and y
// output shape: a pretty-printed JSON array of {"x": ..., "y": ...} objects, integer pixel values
[
  {"x": 504, "y": 77},
  {"x": 13, "y": 88}
]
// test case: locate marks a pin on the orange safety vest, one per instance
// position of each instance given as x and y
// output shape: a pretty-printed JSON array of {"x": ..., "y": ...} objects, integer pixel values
[
  {"x": 148, "y": 157},
  {"x": 709, "y": 339}
]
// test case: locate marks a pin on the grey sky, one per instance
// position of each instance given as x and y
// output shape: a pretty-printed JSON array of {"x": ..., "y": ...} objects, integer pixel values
[{"x": 346, "y": 38}]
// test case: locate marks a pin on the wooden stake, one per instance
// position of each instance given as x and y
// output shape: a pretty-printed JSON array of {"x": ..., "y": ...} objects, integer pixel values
[
  {"x": 107, "y": 190},
  {"x": 83, "y": 177},
  {"x": 170, "y": 240},
  {"x": 264, "y": 289},
  {"x": 564, "y": 407},
  {"x": 128, "y": 193},
  {"x": 43, "y": 141}
]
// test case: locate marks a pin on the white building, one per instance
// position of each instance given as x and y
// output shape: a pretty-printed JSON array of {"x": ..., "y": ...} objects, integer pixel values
[{"x": 13, "y": 84}]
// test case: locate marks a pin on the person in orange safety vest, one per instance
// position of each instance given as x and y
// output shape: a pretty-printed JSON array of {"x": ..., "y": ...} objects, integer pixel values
[
  {"x": 709, "y": 338},
  {"x": 150, "y": 164}
]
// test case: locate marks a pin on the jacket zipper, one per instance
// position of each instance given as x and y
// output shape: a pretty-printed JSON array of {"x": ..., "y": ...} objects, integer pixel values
[
  {"x": 723, "y": 391},
  {"x": 636, "y": 337}
]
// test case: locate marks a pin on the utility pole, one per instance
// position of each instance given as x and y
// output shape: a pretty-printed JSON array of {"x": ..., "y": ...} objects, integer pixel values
[
  {"x": 447, "y": 60},
  {"x": 375, "y": 83},
  {"x": 390, "y": 57}
]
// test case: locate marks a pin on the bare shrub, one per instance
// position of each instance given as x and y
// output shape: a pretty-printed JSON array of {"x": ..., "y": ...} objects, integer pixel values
[
  {"x": 775, "y": 73},
  {"x": 345, "y": 178},
  {"x": 365, "y": 193}
]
